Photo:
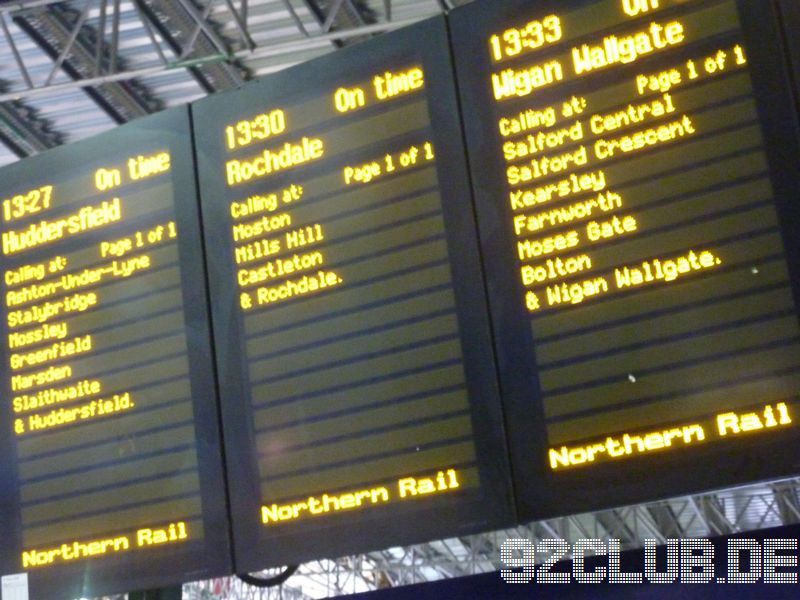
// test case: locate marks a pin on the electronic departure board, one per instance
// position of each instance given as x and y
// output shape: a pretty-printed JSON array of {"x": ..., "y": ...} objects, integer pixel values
[
  {"x": 109, "y": 445},
  {"x": 636, "y": 172},
  {"x": 359, "y": 395}
]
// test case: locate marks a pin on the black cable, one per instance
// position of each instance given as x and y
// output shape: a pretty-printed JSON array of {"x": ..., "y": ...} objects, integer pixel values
[{"x": 272, "y": 581}]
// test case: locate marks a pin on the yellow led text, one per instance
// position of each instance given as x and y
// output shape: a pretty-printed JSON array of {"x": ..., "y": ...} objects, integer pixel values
[
  {"x": 142, "y": 167},
  {"x": 40, "y": 378},
  {"x": 293, "y": 288},
  {"x": 523, "y": 82},
  {"x": 527, "y": 120},
  {"x": 41, "y": 313},
  {"x": 604, "y": 149},
  {"x": 48, "y": 397},
  {"x": 667, "y": 79},
  {"x": 259, "y": 128},
  {"x": 74, "y": 551},
  {"x": 174, "y": 532},
  {"x": 543, "y": 141},
  {"x": 661, "y": 81},
  {"x": 656, "y": 270},
  {"x": 268, "y": 203},
  {"x": 627, "y": 49},
  {"x": 280, "y": 267},
  {"x": 554, "y": 268},
  {"x": 95, "y": 409},
  {"x": 634, "y": 8},
  {"x": 640, "y": 140},
  {"x": 145, "y": 537},
  {"x": 385, "y": 86},
  {"x": 34, "y": 272},
  {"x": 533, "y": 35},
  {"x": 732, "y": 423},
  {"x": 391, "y": 163},
  {"x": 575, "y": 293},
  {"x": 627, "y": 445},
  {"x": 139, "y": 239},
  {"x": 443, "y": 481},
  {"x": 137, "y": 168},
  {"x": 323, "y": 504},
  {"x": 390, "y": 85},
  {"x": 594, "y": 181},
  {"x": 123, "y": 268},
  {"x": 551, "y": 139},
  {"x": 296, "y": 238},
  {"x": 632, "y": 114},
  {"x": 45, "y": 232},
  {"x": 28, "y": 203},
  {"x": 665, "y": 270},
  {"x": 43, "y": 333},
  {"x": 407, "y": 488},
  {"x": 546, "y": 165},
  {"x": 264, "y": 225},
  {"x": 274, "y": 160},
  {"x": 56, "y": 351},
  {"x": 604, "y": 202}
]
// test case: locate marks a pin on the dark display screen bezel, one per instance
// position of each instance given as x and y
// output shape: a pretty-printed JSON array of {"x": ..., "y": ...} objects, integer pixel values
[
  {"x": 540, "y": 492},
  {"x": 395, "y": 524},
  {"x": 137, "y": 569}
]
